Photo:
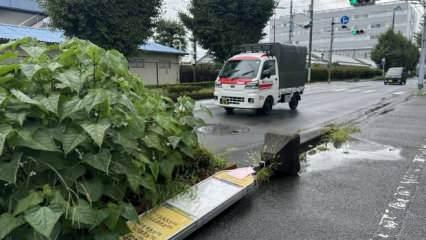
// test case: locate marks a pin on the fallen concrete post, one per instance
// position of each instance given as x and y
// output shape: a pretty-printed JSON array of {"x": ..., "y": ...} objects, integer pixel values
[{"x": 281, "y": 153}]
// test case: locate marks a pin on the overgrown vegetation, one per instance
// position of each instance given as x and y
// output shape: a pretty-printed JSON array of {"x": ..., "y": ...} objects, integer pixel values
[
  {"x": 339, "y": 135},
  {"x": 84, "y": 147}
]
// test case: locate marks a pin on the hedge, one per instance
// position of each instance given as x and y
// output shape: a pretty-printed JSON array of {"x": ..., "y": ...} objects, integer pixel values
[{"x": 209, "y": 72}]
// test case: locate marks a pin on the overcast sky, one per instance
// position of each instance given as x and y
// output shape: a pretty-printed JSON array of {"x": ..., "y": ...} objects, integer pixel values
[{"x": 171, "y": 7}]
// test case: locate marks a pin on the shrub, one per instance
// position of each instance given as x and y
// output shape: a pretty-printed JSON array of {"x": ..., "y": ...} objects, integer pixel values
[
  {"x": 320, "y": 73},
  {"x": 82, "y": 142}
]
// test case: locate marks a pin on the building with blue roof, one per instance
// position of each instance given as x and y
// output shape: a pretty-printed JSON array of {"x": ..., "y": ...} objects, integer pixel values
[
  {"x": 21, "y": 12},
  {"x": 155, "y": 63}
]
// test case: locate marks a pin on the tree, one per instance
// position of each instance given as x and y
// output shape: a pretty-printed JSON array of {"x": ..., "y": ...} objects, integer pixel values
[
  {"x": 113, "y": 24},
  {"x": 397, "y": 50},
  {"x": 171, "y": 33},
  {"x": 219, "y": 25}
]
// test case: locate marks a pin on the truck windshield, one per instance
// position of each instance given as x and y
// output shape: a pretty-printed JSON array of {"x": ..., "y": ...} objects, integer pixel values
[{"x": 240, "y": 69}]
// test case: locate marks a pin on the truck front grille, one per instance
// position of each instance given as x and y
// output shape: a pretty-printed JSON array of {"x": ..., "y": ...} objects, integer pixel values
[{"x": 231, "y": 100}]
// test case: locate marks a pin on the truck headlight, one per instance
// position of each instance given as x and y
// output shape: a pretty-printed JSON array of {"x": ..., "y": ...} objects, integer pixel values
[{"x": 252, "y": 85}]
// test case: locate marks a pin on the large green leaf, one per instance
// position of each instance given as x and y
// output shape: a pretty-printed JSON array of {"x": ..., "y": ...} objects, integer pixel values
[
  {"x": 51, "y": 103},
  {"x": 70, "y": 79},
  {"x": 40, "y": 140},
  {"x": 43, "y": 220},
  {"x": 71, "y": 139},
  {"x": 70, "y": 107},
  {"x": 17, "y": 117},
  {"x": 33, "y": 199},
  {"x": 9, "y": 171},
  {"x": 92, "y": 189},
  {"x": 29, "y": 70},
  {"x": 147, "y": 181},
  {"x": 168, "y": 164},
  {"x": 97, "y": 130},
  {"x": 8, "y": 56},
  {"x": 3, "y": 95},
  {"x": 34, "y": 51},
  {"x": 129, "y": 212},
  {"x": 5, "y": 130},
  {"x": 94, "y": 98},
  {"x": 82, "y": 214},
  {"x": 100, "y": 161},
  {"x": 26, "y": 99},
  {"x": 9, "y": 223},
  {"x": 5, "y": 69},
  {"x": 154, "y": 141}
]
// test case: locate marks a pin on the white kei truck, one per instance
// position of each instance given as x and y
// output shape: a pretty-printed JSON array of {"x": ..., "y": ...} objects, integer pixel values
[{"x": 261, "y": 76}]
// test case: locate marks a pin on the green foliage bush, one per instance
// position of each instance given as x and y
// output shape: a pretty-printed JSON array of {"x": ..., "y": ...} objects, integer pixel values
[
  {"x": 197, "y": 91},
  {"x": 82, "y": 142},
  {"x": 320, "y": 73}
]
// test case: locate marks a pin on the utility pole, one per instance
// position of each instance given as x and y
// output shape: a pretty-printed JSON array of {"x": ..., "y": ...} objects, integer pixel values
[
  {"x": 274, "y": 27},
  {"x": 330, "y": 56},
  {"x": 311, "y": 29},
  {"x": 291, "y": 23},
  {"x": 423, "y": 53},
  {"x": 194, "y": 66}
]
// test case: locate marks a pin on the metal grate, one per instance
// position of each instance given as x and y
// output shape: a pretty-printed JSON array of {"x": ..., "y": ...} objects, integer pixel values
[{"x": 232, "y": 100}]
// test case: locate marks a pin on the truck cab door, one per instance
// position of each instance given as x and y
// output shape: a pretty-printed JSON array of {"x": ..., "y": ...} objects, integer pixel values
[{"x": 269, "y": 78}]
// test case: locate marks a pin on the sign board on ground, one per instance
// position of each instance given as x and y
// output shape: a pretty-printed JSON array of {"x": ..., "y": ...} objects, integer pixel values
[{"x": 182, "y": 215}]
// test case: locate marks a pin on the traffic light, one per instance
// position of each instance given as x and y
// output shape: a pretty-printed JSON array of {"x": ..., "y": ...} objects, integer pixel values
[
  {"x": 357, "y": 3},
  {"x": 357, "y": 31}
]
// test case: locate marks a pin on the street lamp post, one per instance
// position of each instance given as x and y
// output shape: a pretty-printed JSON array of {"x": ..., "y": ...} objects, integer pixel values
[
  {"x": 311, "y": 26},
  {"x": 397, "y": 8},
  {"x": 330, "y": 56},
  {"x": 274, "y": 26}
]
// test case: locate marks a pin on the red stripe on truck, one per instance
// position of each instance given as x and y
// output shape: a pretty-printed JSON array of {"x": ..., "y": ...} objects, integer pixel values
[
  {"x": 265, "y": 86},
  {"x": 234, "y": 81}
]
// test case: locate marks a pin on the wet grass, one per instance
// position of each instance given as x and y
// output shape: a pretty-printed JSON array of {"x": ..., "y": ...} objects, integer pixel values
[{"x": 339, "y": 135}]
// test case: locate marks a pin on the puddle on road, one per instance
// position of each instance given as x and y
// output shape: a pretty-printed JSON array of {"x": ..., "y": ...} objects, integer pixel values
[
  {"x": 221, "y": 129},
  {"x": 326, "y": 156}
]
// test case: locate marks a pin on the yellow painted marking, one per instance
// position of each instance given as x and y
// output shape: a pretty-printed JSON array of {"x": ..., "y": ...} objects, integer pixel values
[
  {"x": 159, "y": 224},
  {"x": 245, "y": 182}
]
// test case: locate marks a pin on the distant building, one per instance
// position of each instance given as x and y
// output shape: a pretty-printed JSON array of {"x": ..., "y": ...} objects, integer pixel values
[
  {"x": 374, "y": 20},
  {"x": 21, "y": 12},
  {"x": 155, "y": 63}
]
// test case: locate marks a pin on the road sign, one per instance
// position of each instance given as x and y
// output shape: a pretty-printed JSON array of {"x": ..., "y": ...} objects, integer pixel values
[
  {"x": 344, "y": 20},
  {"x": 188, "y": 211}
]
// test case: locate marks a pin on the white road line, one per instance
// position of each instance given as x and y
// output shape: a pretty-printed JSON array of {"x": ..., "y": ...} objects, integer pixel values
[
  {"x": 370, "y": 91},
  {"x": 398, "y": 93},
  {"x": 354, "y": 90},
  {"x": 340, "y": 90}
]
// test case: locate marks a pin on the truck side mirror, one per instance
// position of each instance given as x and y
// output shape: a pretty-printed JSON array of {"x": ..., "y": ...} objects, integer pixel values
[{"x": 266, "y": 74}]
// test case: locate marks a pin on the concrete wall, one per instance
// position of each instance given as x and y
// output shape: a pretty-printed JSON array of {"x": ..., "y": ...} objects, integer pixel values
[
  {"x": 19, "y": 18},
  {"x": 150, "y": 65}
]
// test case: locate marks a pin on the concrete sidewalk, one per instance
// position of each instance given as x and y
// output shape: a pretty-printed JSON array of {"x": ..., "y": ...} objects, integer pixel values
[
  {"x": 379, "y": 193},
  {"x": 404, "y": 216}
]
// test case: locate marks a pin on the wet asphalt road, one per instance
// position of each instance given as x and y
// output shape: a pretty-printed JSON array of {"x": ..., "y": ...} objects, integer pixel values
[
  {"x": 321, "y": 104},
  {"x": 339, "y": 196}
]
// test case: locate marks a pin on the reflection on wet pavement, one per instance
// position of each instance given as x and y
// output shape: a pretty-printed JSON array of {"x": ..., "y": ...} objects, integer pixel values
[{"x": 328, "y": 156}]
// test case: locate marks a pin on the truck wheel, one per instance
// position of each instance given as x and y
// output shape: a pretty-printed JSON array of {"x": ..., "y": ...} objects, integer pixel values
[
  {"x": 293, "y": 104},
  {"x": 229, "y": 110},
  {"x": 267, "y": 107}
]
